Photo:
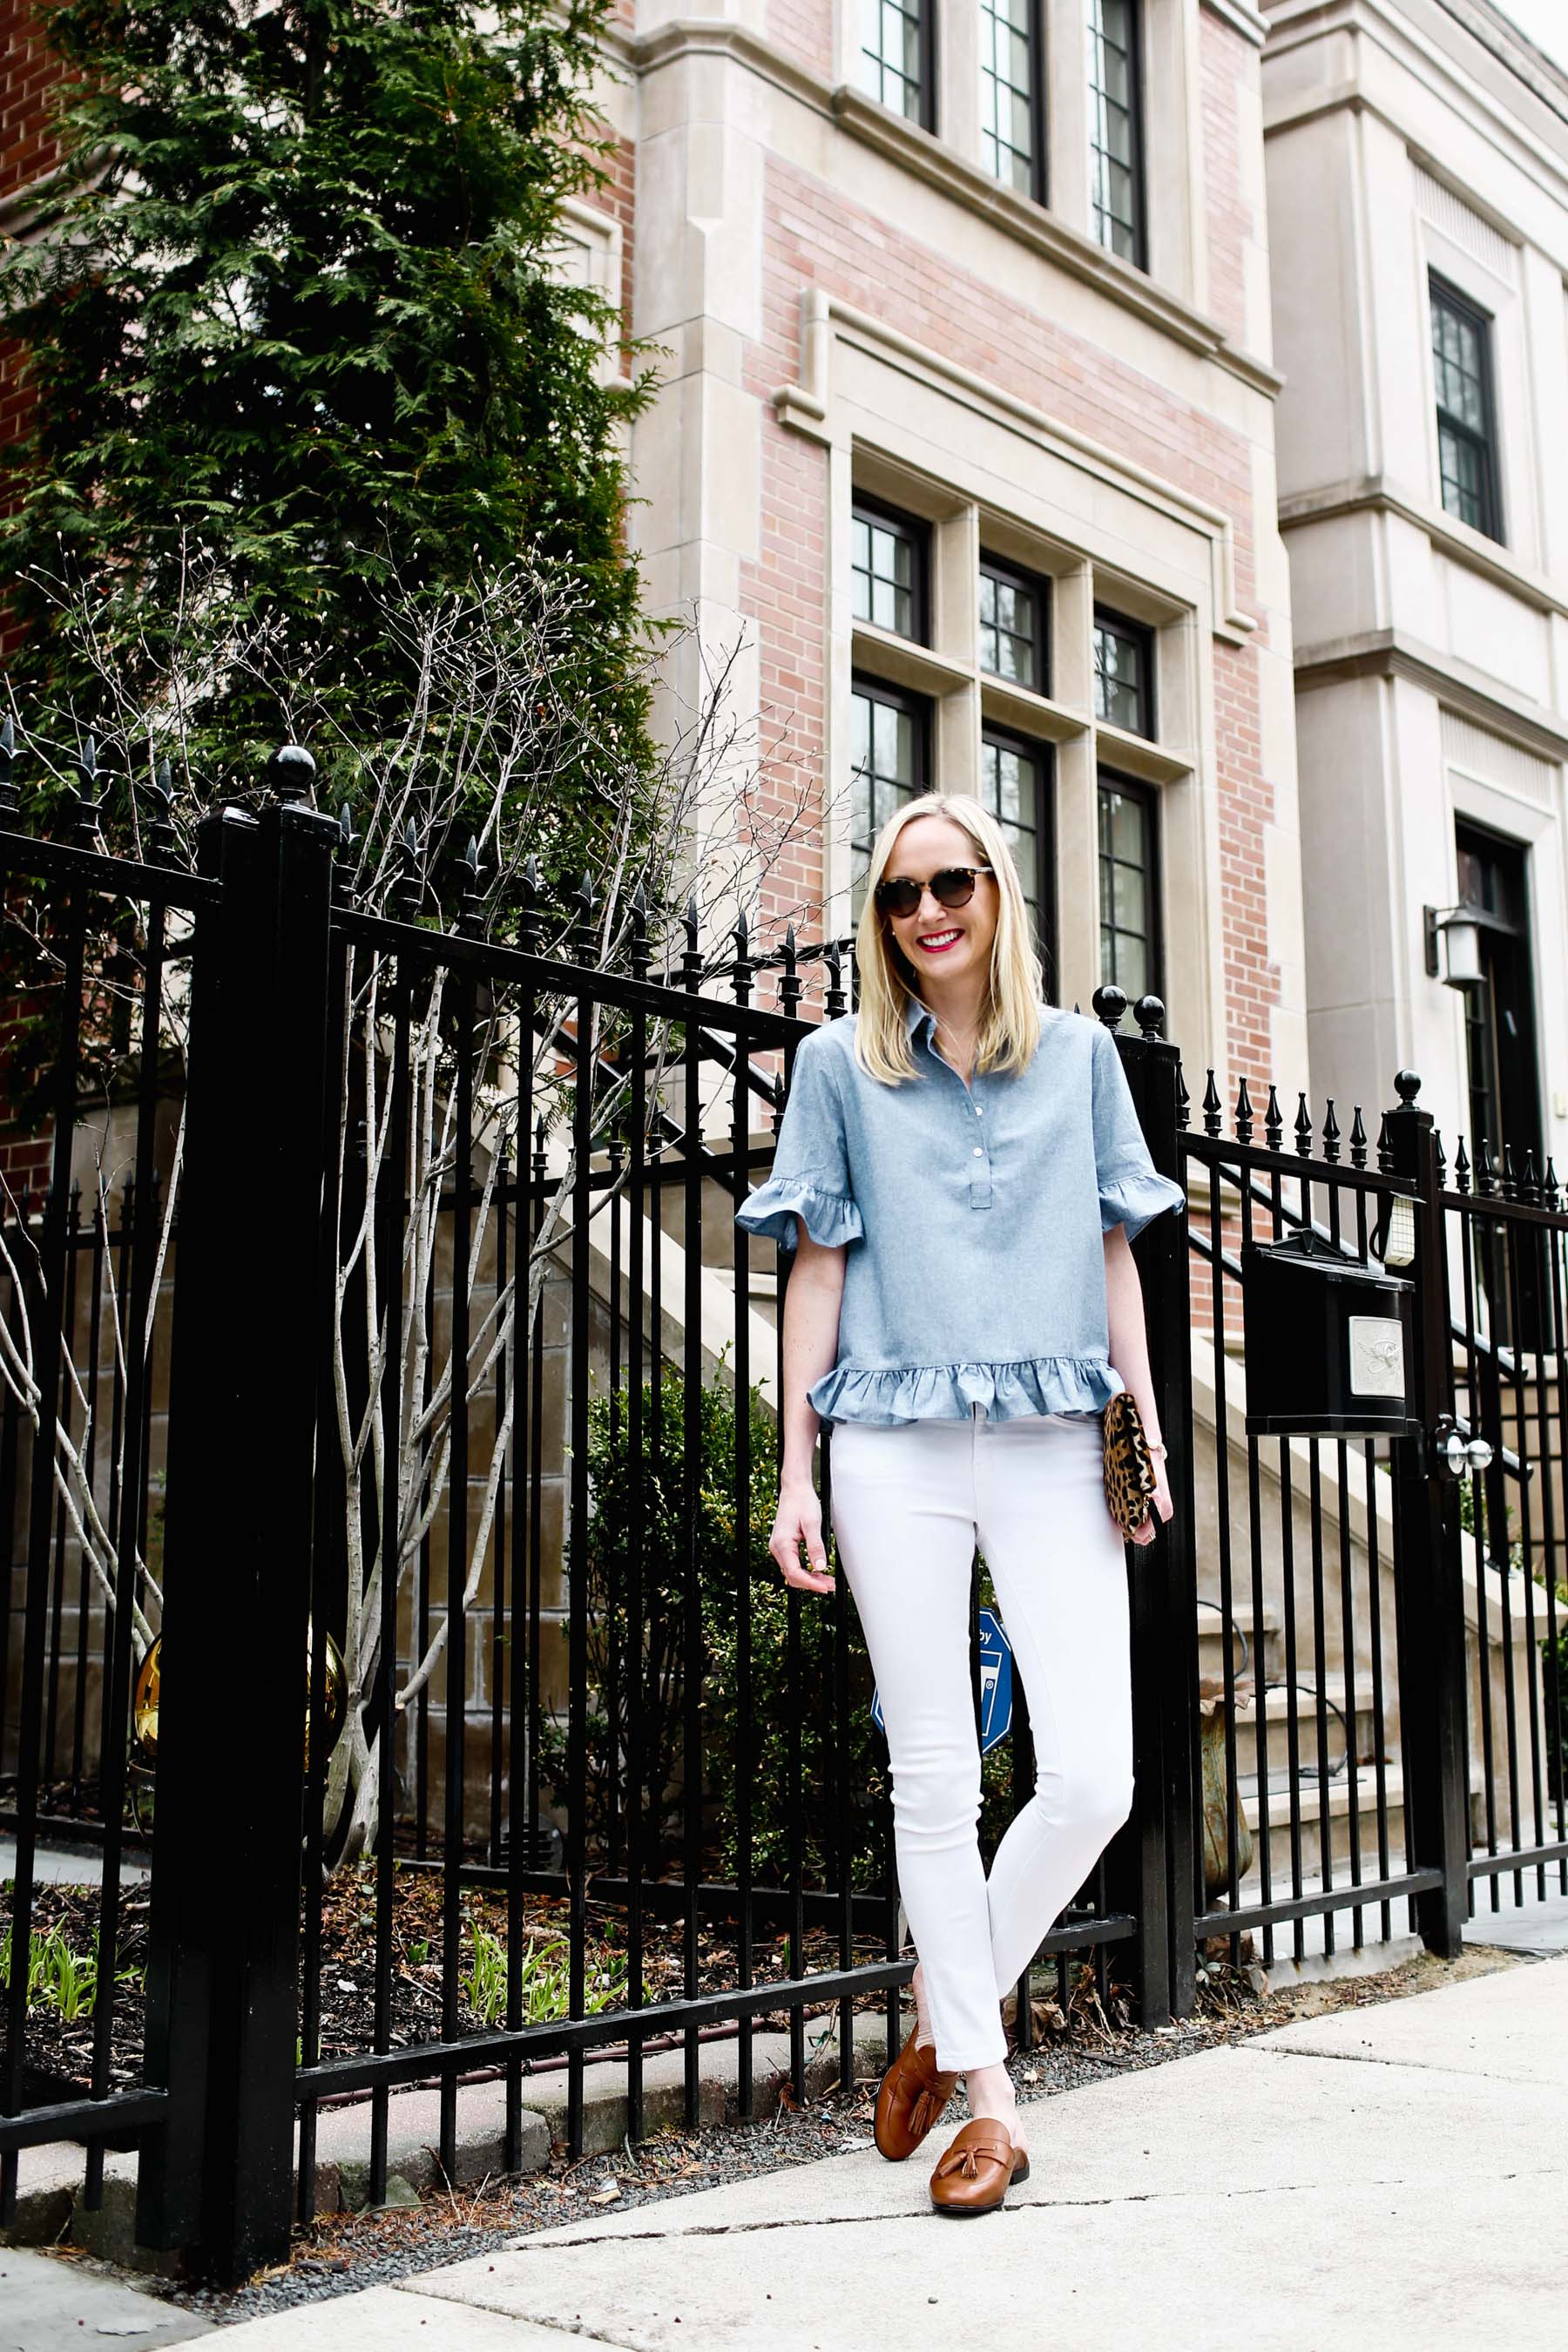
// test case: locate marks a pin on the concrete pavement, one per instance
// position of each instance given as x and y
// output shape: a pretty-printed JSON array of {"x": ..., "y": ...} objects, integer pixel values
[{"x": 1396, "y": 2174}]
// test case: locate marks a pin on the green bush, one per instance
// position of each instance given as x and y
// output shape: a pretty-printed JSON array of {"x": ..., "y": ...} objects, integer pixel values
[{"x": 744, "y": 1741}]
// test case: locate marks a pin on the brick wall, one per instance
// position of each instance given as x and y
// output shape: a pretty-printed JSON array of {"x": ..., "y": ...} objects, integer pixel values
[
  {"x": 29, "y": 72},
  {"x": 815, "y": 237},
  {"x": 803, "y": 30},
  {"x": 1224, "y": 60}
]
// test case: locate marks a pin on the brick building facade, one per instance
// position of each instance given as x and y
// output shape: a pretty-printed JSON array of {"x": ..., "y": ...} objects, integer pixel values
[
  {"x": 954, "y": 339},
  {"x": 999, "y": 322}
]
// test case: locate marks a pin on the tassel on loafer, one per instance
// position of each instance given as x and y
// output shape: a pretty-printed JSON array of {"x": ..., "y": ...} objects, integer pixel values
[
  {"x": 978, "y": 2170},
  {"x": 913, "y": 2095}
]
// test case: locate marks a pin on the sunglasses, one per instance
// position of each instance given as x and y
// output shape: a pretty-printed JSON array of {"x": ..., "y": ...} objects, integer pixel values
[{"x": 954, "y": 886}]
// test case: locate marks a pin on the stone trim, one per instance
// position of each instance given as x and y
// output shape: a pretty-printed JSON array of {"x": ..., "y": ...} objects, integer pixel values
[
  {"x": 804, "y": 407},
  {"x": 1455, "y": 539},
  {"x": 1242, "y": 19},
  {"x": 942, "y": 167},
  {"x": 1469, "y": 693}
]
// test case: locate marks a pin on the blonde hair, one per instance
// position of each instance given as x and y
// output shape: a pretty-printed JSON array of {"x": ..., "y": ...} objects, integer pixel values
[{"x": 1010, "y": 1020}]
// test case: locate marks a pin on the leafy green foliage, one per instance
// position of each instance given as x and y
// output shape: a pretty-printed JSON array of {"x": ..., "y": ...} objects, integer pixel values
[
  {"x": 297, "y": 300},
  {"x": 59, "y": 1977},
  {"x": 544, "y": 1976},
  {"x": 757, "y": 1676}
]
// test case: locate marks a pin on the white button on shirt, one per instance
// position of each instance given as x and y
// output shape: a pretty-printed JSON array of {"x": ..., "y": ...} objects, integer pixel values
[{"x": 964, "y": 1287}]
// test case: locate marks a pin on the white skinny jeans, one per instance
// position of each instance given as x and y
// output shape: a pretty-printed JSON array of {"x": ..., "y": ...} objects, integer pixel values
[{"x": 908, "y": 1505}]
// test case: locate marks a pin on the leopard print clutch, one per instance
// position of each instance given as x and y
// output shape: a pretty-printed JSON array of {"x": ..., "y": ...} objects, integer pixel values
[{"x": 1129, "y": 1465}]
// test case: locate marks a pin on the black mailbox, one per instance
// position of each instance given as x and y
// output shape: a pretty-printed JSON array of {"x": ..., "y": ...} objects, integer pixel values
[{"x": 1329, "y": 1349}]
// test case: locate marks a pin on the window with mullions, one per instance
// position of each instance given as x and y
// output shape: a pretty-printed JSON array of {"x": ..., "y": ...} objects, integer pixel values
[
  {"x": 888, "y": 741},
  {"x": 1123, "y": 673},
  {"x": 1115, "y": 131},
  {"x": 1012, "y": 626},
  {"x": 1467, "y": 433},
  {"x": 1129, "y": 893},
  {"x": 894, "y": 61},
  {"x": 1011, "y": 144},
  {"x": 1015, "y": 785},
  {"x": 888, "y": 563}
]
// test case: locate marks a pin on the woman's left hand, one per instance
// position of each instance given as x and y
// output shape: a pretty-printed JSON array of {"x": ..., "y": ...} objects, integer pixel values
[{"x": 1159, "y": 1506}]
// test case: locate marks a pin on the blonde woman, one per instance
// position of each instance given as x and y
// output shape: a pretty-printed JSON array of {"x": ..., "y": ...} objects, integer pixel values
[{"x": 958, "y": 1174}]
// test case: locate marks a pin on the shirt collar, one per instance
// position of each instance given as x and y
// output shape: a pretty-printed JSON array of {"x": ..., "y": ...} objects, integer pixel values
[{"x": 914, "y": 1013}]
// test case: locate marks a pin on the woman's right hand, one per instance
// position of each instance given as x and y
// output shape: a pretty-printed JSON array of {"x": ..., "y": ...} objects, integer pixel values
[{"x": 798, "y": 1521}]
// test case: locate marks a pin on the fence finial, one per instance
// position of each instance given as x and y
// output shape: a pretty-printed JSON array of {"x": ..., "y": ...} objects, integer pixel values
[
  {"x": 10, "y": 803},
  {"x": 740, "y": 977},
  {"x": 1109, "y": 1002},
  {"x": 639, "y": 950},
  {"x": 790, "y": 983},
  {"x": 409, "y": 887},
  {"x": 691, "y": 973},
  {"x": 1273, "y": 1120},
  {"x": 88, "y": 808},
  {"x": 1331, "y": 1132},
  {"x": 469, "y": 912},
  {"x": 1243, "y": 1112},
  {"x": 584, "y": 948},
  {"x": 1358, "y": 1140},
  {"x": 291, "y": 773},
  {"x": 833, "y": 1003},
  {"x": 342, "y": 856},
  {"x": 1150, "y": 1015},
  {"x": 161, "y": 846},
  {"x": 528, "y": 911},
  {"x": 1213, "y": 1108}
]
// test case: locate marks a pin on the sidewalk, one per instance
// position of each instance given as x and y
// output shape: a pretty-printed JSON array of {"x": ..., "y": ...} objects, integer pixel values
[{"x": 1396, "y": 2174}]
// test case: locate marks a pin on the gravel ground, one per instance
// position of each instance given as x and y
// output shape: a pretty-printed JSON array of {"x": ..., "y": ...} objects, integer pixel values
[{"x": 341, "y": 2253}]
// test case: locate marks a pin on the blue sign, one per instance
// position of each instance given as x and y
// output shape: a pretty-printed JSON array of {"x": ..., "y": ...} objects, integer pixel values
[{"x": 995, "y": 1685}]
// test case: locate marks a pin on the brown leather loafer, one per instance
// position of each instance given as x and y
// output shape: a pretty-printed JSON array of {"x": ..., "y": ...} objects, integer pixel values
[
  {"x": 978, "y": 2170},
  {"x": 912, "y": 2096}
]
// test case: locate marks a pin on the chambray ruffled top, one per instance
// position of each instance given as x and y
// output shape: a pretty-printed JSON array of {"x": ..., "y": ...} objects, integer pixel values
[{"x": 973, "y": 1216}]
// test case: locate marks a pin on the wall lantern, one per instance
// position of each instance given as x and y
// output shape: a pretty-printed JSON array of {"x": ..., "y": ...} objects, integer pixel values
[
  {"x": 1327, "y": 1341},
  {"x": 1461, "y": 932}
]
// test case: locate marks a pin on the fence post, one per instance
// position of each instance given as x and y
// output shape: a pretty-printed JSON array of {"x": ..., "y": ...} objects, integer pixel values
[
  {"x": 222, "y": 1964},
  {"x": 1150, "y": 1863},
  {"x": 1427, "y": 1563}
]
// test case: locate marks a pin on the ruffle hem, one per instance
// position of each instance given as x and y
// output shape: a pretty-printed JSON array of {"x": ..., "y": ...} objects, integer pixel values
[{"x": 1034, "y": 1384}]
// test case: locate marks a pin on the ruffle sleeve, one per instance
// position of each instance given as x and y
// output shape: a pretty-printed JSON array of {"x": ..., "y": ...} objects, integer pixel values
[
  {"x": 810, "y": 1174},
  {"x": 1131, "y": 1190}
]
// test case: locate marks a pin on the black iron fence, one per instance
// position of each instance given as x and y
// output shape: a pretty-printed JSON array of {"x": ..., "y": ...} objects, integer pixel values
[{"x": 479, "y": 1733}]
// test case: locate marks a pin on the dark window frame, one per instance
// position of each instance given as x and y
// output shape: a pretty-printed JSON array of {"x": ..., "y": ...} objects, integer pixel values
[
  {"x": 924, "y": 12},
  {"x": 866, "y": 508},
  {"x": 1038, "y": 586},
  {"x": 1039, "y": 748},
  {"x": 1139, "y": 257},
  {"x": 923, "y": 710},
  {"x": 1038, "y": 190},
  {"x": 1145, "y": 636},
  {"x": 1148, "y": 796},
  {"x": 1442, "y": 293}
]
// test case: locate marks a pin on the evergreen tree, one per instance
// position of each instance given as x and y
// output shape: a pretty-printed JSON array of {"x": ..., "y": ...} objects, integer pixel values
[{"x": 292, "y": 299}]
